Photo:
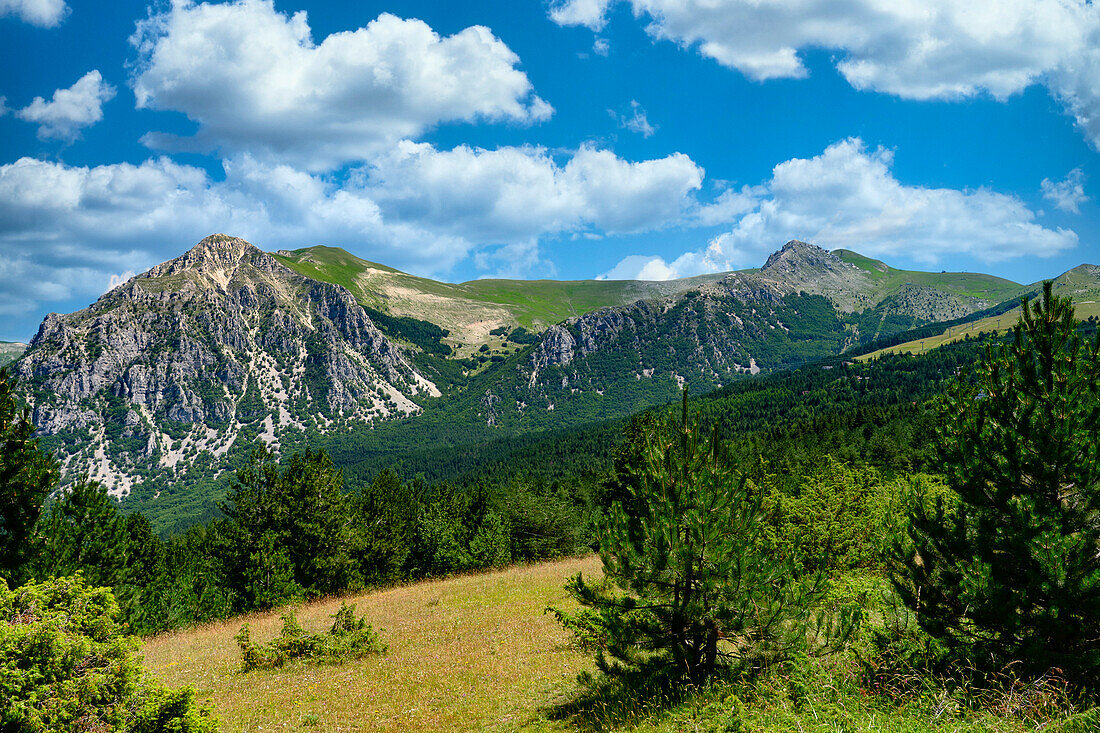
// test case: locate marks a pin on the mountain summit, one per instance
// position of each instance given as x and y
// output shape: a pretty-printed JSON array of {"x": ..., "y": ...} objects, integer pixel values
[
  {"x": 173, "y": 376},
  {"x": 219, "y": 345}
]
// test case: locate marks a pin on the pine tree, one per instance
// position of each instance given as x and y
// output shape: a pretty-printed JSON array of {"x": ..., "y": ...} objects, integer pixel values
[
  {"x": 384, "y": 513},
  {"x": 27, "y": 474},
  {"x": 1007, "y": 568},
  {"x": 84, "y": 531},
  {"x": 689, "y": 589},
  {"x": 288, "y": 530}
]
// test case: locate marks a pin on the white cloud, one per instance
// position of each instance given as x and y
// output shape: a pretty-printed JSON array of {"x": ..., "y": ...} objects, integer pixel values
[
  {"x": 636, "y": 121},
  {"x": 601, "y": 47},
  {"x": 639, "y": 267},
  {"x": 720, "y": 255},
  {"x": 915, "y": 49},
  {"x": 67, "y": 231},
  {"x": 70, "y": 110},
  {"x": 848, "y": 197},
  {"x": 119, "y": 279},
  {"x": 1067, "y": 194},
  {"x": 517, "y": 194},
  {"x": 255, "y": 81},
  {"x": 590, "y": 13},
  {"x": 727, "y": 207},
  {"x": 44, "y": 13}
]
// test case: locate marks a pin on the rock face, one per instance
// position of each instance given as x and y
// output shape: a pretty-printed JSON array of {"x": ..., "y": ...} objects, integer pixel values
[
  {"x": 172, "y": 377},
  {"x": 804, "y": 304},
  {"x": 220, "y": 345}
]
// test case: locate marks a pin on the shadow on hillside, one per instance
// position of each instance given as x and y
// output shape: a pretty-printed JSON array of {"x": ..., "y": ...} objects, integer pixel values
[{"x": 602, "y": 704}]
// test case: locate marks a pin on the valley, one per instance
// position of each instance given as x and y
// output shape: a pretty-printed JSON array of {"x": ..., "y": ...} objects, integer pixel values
[
  {"x": 167, "y": 382},
  {"x": 260, "y": 442}
]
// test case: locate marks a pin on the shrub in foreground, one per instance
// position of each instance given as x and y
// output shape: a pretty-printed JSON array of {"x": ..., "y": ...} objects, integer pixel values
[
  {"x": 349, "y": 638},
  {"x": 66, "y": 665}
]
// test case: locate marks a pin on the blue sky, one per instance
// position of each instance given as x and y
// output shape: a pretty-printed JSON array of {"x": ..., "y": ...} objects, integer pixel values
[{"x": 576, "y": 139}]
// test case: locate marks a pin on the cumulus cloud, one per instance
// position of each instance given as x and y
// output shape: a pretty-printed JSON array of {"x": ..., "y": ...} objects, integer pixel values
[
  {"x": 70, "y": 110},
  {"x": 1067, "y": 194},
  {"x": 590, "y": 13},
  {"x": 44, "y": 13},
  {"x": 934, "y": 49},
  {"x": 119, "y": 279},
  {"x": 848, "y": 197},
  {"x": 255, "y": 81},
  {"x": 514, "y": 194},
  {"x": 721, "y": 254},
  {"x": 418, "y": 208}
]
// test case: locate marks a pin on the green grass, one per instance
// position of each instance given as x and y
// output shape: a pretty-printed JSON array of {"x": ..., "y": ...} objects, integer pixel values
[
  {"x": 477, "y": 652},
  {"x": 964, "y": 284},
  {"x": 473, "y": 308}
]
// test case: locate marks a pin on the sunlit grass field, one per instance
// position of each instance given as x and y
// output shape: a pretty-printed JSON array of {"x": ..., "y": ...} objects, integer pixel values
[
  {"x": 465, "y": 653},
  {"x": 477, "y": 653}
]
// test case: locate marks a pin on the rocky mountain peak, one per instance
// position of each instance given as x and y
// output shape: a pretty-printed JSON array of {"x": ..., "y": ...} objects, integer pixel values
[
  {"x": 219, "y": 250},
  {"x": 795, "y": 255},
  {"x": 801, "y": 267},
  {"x": 221, "y": 245},
  {"x": 217, "y": 256},
  {"x": 217, "y": 348}
]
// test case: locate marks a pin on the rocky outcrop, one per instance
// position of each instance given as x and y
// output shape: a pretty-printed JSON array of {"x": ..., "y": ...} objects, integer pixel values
[
  {"x": 927, "y": 304},
  {"x": 214, "y": 341}
]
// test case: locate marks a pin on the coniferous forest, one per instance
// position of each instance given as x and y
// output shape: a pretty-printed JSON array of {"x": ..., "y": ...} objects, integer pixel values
[{"x": 910, "y": 525}]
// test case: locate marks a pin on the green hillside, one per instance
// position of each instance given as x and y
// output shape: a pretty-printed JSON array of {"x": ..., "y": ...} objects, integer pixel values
[
  {"x": 10, "y": 351},
  {"x": 1082, "y": 283},
  {"x": 472, "y": 309},
  {"x": 963, "y": 284}
]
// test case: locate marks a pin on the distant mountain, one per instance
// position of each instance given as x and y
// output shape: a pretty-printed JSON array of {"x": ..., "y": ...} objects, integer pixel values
[
  {"x": 10, "y": 351},
  {"x": 221, "y": 345},
  {"x": 804, "y": 304},
  {"x": 168, "y": 381},
  {"x": 470, "y": 310}
]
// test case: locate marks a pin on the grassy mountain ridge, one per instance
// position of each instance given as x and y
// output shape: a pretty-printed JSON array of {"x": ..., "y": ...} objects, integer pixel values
[
  {"x": 470, "y": 310},
  {"x": 966, "y": 284}
]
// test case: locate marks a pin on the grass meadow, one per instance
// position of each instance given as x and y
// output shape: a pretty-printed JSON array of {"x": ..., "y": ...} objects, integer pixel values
[
  {"x": 477, "y": 652},
  {"x": 465, "y": 653}
]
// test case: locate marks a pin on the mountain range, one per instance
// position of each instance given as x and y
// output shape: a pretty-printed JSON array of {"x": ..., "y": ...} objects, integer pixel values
[{"x": 170, "y": 379}]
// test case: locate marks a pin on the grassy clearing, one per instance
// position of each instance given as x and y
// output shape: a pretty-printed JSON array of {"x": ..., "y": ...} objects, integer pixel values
[
  {"x": 477, "y": 653},
  {"x": 464, "y": 654}
]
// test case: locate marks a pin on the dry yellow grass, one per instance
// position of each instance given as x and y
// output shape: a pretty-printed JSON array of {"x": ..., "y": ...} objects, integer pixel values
[{"x": 465, "y": 653}]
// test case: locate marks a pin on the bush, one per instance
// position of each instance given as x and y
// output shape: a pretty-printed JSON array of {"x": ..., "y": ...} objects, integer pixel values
[
  {"x": 349, "y": 638},
  {"x": 65, "y": 665}
]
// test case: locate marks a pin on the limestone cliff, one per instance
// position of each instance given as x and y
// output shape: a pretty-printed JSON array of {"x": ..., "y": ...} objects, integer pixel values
[{"x": 218, "y": 346}]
